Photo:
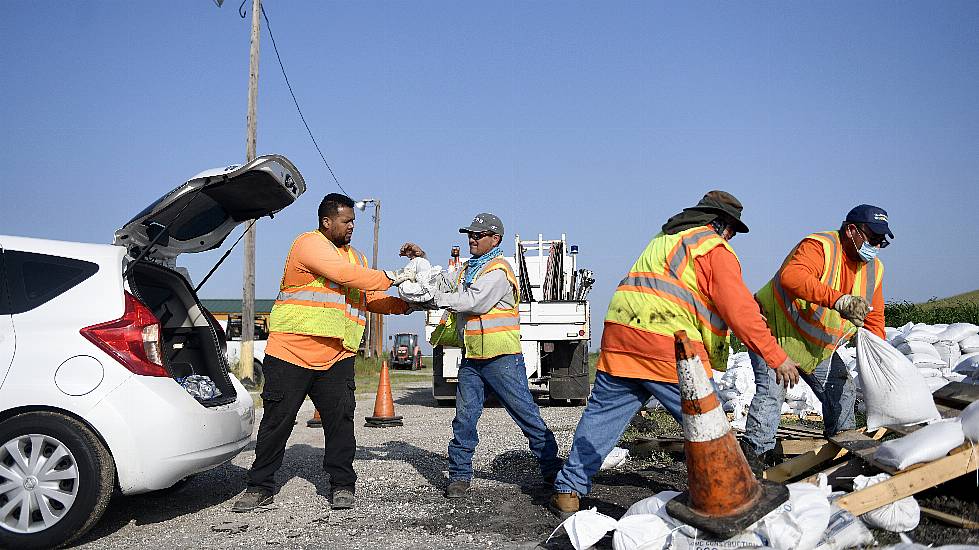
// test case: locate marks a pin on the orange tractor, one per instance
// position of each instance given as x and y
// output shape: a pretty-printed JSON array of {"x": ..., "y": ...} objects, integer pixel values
[{"x": 405, "y": 353}]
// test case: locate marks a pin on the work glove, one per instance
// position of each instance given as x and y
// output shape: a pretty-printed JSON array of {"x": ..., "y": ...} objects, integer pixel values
[
  {"x": 853, "y": 308},
  {"x": 787, "y": 374},
  {"x": 421, "y": 306},
  {"x": 401, "y": 276}
]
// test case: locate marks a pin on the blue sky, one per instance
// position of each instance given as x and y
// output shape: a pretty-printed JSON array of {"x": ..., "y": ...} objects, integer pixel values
[{"x": 598, "y": 120}]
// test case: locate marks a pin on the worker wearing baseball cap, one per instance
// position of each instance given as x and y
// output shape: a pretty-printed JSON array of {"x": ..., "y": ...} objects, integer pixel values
[
  {"x": 828, "y": 285},
  {"x": 483, "y": 319},
  {"x": 688, "y": 278}
]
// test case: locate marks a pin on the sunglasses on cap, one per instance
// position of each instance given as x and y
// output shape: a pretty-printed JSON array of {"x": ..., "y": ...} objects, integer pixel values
[{"x": 874, "y": 239}]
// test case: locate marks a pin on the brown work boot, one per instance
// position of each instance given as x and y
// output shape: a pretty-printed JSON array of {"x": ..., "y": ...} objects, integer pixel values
[{"x": 564, "y": 504}]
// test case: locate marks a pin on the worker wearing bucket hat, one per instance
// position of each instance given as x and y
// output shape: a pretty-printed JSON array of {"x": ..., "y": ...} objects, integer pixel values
[
  {"x": 827, "y": 286},
  {"x": 687, "y": 279}
]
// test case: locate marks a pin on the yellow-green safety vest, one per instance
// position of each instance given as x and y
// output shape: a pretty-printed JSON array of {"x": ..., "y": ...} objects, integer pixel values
[
  {"x": 809, "y": 333},
  {"x": 494, "y": 333},
  {"x": 322, "y": 307},
  {"x": 660, "y": 293}
]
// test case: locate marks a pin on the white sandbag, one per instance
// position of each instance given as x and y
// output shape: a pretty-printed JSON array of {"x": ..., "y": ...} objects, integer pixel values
[
  {"x": 936, "y": 383},
  {"x": 800, "y": 522},
  {"x": 844, "y": 531},
  {"x": 970, "y": 422},
  {"x": 922, "y": 333},
  {"x": 894, "y": 392},
  {"x": 641, "y": 532},
  {"x": 928, "y": 363},
  {"x": 958, "y": 331},
  {"x": 970, "y": 344},
  {"x": 615, "y": 458},
  {"x": 968, "y": 363},
  {"x": 651, "y": 505},
  {"x": 898, "y": 517},
  {"x": 727, "y": 394},
  {"x": 929, "y": 443},
  {"x": 428, "y": 279},
  {"x": 847, "y": 354},
  {"x": 919, "y": 349},
  {"x": 891, "y": 332},
  {"x": 949, "y": 352},
  {"x": 586, "y": 527},
  {"x": 928, "y": 371}
]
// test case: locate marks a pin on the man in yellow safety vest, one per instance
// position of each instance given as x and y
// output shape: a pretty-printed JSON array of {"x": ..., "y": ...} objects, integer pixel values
[
  {"x": 316, "y": 326},
  {"x": 688, "y": 278},
  {"x": 829, "y": 284},
  {"x": 482, "y": 318}
]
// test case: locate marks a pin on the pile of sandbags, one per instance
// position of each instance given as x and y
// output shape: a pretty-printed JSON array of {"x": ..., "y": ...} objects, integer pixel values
[
  {"x": 942, "y": 353},
  {"x": 736, "y": 388}
]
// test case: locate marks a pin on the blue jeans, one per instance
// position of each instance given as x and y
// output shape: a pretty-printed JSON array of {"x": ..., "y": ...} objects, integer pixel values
[
  {"x": 614, "y": 401},
  {"x": 505, "y": 376},
  {"x": 764, "y": 413}
]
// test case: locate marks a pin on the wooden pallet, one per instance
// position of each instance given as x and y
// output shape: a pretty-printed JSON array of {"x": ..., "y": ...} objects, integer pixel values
[
  {"x": 790, "y": 441},
  {"x": 859, "y": 448}
]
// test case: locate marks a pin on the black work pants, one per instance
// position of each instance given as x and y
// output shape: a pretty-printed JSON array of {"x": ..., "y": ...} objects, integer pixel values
[{"x": 332, "y": 392}]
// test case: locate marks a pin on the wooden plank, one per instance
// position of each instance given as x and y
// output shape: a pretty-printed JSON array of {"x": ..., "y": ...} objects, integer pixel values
[
  {"x": 956, "y": 395},
  {"x": 794, "y": 447},
  {"x": 823, "y": 454},
  {"x": 909, "y": 482},
  {"x": 954, "y": 521}
]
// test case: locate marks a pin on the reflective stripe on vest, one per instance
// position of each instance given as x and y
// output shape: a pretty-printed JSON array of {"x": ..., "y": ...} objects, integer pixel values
[
  {"x": 660, "y": 293},
  {"x": 809, "y": 333},
  {"x": 494, "y": 333},
  {"x": 322, "y": 307}
]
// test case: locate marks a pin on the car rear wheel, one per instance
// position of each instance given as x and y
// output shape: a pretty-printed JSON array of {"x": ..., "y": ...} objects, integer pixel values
[{"x": 56, "y": 478}]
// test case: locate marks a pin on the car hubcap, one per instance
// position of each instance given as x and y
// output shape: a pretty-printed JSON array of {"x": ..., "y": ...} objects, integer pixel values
[{"x": 38, "y": 483}]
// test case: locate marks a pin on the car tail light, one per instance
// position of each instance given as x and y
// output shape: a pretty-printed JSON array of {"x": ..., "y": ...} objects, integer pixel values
[{"x": 133, "y": 339}]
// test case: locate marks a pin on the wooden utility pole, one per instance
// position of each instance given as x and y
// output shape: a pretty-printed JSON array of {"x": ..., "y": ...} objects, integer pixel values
[
  {"x": 248, "y": 281},
  {"x": 378, "y": 324}
]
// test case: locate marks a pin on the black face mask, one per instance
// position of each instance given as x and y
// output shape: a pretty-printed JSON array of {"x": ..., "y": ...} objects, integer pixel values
[{"x": 720, "y": 226}]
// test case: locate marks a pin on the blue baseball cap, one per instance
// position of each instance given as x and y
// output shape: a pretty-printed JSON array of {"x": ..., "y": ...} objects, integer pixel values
[{"x": 873, "y": 216}]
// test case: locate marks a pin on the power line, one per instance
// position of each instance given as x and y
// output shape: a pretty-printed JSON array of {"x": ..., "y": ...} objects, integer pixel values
[{"x": 296, "y": 102}]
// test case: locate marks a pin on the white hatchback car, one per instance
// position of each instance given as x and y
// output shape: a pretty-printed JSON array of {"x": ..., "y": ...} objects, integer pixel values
[{"x": 94, "y": 341}]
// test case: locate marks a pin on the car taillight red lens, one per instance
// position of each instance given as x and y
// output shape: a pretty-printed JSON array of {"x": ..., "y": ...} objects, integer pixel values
[{"x": 133, "y": 339}]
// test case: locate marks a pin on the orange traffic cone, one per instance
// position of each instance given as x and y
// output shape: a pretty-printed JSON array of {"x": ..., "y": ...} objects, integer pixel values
[
  {"x": 384, "y": 403},
  {"x": 316, "y": 421},
  {"x": 723, "y": 497}
]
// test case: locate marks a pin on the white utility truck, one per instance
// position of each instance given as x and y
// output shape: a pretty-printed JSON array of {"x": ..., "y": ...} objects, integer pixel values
[{"x": 555, "y": 323}]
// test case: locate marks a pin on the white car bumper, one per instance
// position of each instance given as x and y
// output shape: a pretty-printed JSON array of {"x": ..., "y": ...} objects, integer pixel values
[{"x": 159, "y": 434}]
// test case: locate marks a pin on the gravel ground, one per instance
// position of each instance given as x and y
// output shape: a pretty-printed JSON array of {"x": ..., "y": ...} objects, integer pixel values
[{"x": 402, "y": 472}]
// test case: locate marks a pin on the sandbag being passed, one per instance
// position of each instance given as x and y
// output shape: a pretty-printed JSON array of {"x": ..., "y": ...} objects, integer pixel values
[
  {"x": 428, "y": 280},
  {"x": 893, "y": 391}
]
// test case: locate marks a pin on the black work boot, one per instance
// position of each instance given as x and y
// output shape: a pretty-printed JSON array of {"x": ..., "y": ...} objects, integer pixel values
[
  {"x": 251, "y": 499},
  {"x": 755, "y": 462},
  {"x": 342, "y": 499}
]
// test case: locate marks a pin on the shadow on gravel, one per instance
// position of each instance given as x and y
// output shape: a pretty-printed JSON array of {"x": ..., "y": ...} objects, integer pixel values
[
  {"x": 192, "y": 495},
  {"x": 417, "y": 396}
]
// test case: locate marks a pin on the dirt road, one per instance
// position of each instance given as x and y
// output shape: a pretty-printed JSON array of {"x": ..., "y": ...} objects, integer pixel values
[{"x": 400, "y": 503}]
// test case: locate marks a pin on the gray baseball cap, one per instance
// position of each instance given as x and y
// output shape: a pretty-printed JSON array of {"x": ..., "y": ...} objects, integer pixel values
[{"x": 484, "y": 222}]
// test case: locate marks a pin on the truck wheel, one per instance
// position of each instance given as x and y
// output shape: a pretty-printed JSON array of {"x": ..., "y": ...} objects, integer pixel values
[{"x": 59, "y": 478}]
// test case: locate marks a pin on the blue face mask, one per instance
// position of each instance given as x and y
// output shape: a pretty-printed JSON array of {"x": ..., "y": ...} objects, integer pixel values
[{"x": 867, "y": 252}]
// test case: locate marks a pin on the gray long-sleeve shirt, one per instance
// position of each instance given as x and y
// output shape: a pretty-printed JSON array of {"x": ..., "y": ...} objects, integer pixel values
[{"x": 487, "y": 291}]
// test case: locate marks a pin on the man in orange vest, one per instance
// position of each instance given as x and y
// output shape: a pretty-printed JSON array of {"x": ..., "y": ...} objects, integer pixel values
[
  {"x": 316, "y": 327},
  {"x": 483, "y": 319},
  {"x": 688, "y": 278},
  {"x": 829, "y": 284}
]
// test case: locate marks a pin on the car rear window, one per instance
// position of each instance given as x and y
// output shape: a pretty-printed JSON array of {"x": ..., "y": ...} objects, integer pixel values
[{"x": 33, "y": 279}]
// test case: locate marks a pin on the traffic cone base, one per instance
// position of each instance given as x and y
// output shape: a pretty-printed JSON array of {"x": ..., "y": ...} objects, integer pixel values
[
  {"x": 723, "y": 497},
  {"x": 316, "y": 421},
  {"x": 384, "y": 403},
  {"x": 771, "y": 496}
]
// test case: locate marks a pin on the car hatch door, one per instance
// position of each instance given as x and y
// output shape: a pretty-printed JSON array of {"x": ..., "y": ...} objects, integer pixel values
[{"x": 200, "y": 213}]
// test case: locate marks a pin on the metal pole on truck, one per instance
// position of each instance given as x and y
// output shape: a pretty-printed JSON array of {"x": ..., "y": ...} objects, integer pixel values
[{"x": 248, "y": 280}]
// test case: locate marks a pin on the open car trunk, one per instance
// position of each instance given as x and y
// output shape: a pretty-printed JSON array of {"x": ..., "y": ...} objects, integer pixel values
[{"x": 190, "y": 341}]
